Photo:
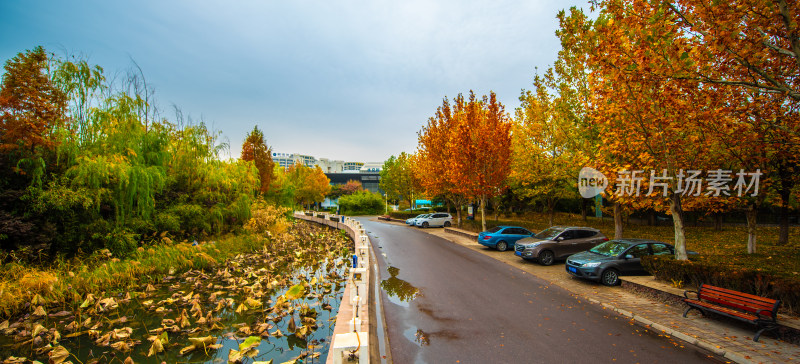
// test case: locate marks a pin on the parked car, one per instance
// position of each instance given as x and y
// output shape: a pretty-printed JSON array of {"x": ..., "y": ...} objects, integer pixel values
[
  {"x": 438, "y": 219},
  {"x": 414, "y": 219},
  {"x": 607, "y": 261},
  {"x": 558, "y": 242},
  {"x": 503, "y": 237}
]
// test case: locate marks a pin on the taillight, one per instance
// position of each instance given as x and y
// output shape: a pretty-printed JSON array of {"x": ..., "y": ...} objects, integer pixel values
[
  {"x": 487, "y": 237},
  {"x": 605, "y": 239}
]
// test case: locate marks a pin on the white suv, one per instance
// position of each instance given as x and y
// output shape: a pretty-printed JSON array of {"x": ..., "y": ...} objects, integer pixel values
[{"x": 437, "y": 219}]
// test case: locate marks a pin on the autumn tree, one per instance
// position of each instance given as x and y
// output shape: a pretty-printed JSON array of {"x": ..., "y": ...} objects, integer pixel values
[
  {"x": 432, "y": 161},
  {"x": 31, "y": 107},
  {"x": 255, "y": 149},
  {"x": 397, "y": 178},
  {"x": 544, "y": 165},
  {"x": 464, "y": 150},
  {"x": 310, "y": 184}
]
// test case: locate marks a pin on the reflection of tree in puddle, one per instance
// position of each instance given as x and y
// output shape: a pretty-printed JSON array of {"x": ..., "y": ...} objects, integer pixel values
[
  {"x": 422, "y": 338},
  {"x": 397, "y": 287}
]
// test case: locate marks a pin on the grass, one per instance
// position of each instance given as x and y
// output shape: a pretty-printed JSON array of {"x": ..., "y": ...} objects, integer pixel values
[{"x": 67, "y": 281}]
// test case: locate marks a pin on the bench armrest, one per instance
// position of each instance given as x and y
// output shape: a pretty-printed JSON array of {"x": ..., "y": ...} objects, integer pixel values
[
  {"x": 686, "y": 294},
  {"x": 769, "y": 314}
]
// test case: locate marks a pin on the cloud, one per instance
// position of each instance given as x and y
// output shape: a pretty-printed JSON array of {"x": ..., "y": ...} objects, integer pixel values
[{"x": 350, "y": 80}]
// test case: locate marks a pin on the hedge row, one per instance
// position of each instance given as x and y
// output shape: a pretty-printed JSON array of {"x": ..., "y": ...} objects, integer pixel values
[{"x": 746, "y": 274}]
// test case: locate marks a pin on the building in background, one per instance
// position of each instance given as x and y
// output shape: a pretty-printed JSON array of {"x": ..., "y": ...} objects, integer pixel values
[
  {"x": 287, "y": 160},
  {"x": 337, "y": 171}
]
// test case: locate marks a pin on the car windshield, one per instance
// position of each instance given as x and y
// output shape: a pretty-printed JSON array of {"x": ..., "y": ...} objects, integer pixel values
[
  {"x": 548, "y": 234},
  {"x": 494, "y": 229},
  {"x": 610, "y": 248}
]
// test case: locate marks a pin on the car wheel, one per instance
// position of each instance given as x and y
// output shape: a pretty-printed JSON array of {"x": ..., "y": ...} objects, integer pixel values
[
  {"x": 425, "y": 224},
  {"x": 447, "y": 224},
  {"x": 546, "y": 257},
  {"x": 610, "y": 277},
  {"x": 501, "y": 246}
]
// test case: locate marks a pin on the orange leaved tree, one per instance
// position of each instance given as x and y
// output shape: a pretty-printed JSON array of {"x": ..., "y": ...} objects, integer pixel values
[{"x": 255, "y": 149}]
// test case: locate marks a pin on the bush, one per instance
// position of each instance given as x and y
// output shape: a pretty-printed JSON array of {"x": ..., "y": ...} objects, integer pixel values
[
  {"x": 362, "y": 203},
  {"x": 268, "y": 219},
  {"x": 193, "y": 218},
  {"x": 749, "y": 274},
  {"x": 167, "y": 222}
]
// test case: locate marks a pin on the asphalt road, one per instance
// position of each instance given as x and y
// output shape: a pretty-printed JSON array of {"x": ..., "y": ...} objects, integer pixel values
[{"x": 444, "y": 303}]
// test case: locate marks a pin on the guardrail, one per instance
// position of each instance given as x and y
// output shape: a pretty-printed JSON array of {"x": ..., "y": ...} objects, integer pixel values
[{"x": 351, "y": 332}]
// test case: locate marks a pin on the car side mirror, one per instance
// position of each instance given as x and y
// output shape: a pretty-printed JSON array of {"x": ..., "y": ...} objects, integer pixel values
[
  {"x": 628, "y": 256},
  {"x": 560, "y": 238}
]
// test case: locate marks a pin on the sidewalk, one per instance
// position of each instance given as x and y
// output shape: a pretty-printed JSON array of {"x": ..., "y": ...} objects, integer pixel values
[{"x": 734, "y": 342}]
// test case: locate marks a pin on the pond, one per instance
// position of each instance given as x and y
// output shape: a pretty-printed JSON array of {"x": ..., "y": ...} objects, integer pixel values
[{"x": 277, "y": 304}]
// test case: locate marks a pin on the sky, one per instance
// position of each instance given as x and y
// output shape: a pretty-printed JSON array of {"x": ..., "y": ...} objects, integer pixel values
[{"x": 347, "y": 80}]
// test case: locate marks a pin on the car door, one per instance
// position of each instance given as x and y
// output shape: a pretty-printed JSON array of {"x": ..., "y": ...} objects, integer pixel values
[
  {"x": 515, "y": 234},
  {"x": 633, "y": 265},
  {"x": 565, "y": 244},
  {"x": 584, "y": 240}
]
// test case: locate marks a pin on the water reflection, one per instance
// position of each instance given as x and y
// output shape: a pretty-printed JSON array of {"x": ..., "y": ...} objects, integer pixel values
[
  {"x": 398, "y": 288},
  {"x": 417, "y": 336}
]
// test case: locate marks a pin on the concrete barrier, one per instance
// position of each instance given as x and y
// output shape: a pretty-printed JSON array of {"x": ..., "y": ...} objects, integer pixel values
[{"x": 350, "y": 334}]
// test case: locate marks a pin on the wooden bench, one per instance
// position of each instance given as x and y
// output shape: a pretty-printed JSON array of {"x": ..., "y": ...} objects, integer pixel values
[{"x": 760, "y": 311}]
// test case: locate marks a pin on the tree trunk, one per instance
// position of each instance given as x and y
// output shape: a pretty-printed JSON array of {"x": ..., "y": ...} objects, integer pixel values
[
  {"x": 483, "y": 213},
  {"x": 551, "y": 211},
  {"x": 677, "y": 219},
  {"x": 752, "y": 225},
  {"x": 617, "y": 220},
  {"x": 651, "y": 218},
  {"x": 718, "y": 221},
  {"x": 783, "y": 222},
  {"x": 458, "y": 214},
  {"x": 584, "y": 209}
]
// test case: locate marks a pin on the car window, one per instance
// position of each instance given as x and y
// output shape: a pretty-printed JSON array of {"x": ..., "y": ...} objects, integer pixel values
[
  {"x": 567, "y": 235},
  {"x": 525, "y": 232},
  {"x": 586, "y": 234},
  {"x": 610, "y": 248},
  {"x": 639, "y": 251},
  {"x": 519, "y": 231},
  {"x": 494, "y": 229},
  {"x": 661, "y": 249},
  {"x": 548, "y": 234}
]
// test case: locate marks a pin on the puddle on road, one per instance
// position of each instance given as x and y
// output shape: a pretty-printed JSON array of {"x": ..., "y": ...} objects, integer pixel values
[
  {"x": 399, "y": 291},
  {"x": 417, "y": 336}
]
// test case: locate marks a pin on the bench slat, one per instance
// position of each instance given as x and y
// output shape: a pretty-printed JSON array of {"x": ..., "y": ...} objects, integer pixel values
[
  {"x": 742, "y": 304},
  {"x": 770, "y": 301}
]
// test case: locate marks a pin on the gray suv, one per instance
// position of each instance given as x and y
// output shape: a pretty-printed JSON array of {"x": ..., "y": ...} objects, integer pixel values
[{"x": 558, "y": 242}]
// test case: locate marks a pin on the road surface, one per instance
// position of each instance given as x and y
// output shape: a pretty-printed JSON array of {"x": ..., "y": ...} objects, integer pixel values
[{"x": 444, "y": 303}]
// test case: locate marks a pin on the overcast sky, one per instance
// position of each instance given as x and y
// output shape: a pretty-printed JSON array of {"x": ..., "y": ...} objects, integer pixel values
[{"x": 351, "y": 80}]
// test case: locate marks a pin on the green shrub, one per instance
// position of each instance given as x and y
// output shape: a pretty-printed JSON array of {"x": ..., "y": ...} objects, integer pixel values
[
  {"x": 746, "y": 273},
  {"x": 362, "y": 203},
  {"x": 167, "y": 222},
  {"x": 193, "y": 218}
]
